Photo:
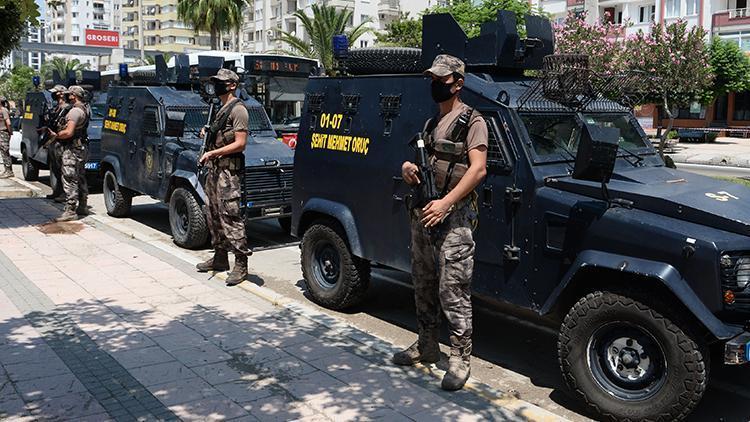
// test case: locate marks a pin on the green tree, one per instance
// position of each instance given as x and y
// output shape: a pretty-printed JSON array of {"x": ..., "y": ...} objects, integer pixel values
[
  {"x": 472, "y": 14},
  {"x": 17, "y": 83},
  {"x": 212, "y": 16},
  {"x": 678, "y": 60},
  {"x": 16, "y": 16},
  {"x": 62, "y": 66},
  {"x": 403, "y": 32},
  {"x": 730, "y": 65},
  {"x": 325, "y": 22}
]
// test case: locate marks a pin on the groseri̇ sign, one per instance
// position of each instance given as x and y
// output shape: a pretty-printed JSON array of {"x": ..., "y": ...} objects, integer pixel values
[{"x": 102, "y": 38}]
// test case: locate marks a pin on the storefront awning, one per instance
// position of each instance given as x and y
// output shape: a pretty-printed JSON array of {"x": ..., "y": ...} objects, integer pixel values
[{"x": 287, "y": 89}]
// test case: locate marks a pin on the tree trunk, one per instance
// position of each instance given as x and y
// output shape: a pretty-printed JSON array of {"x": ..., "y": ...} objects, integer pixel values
[
  {"x": 214, "y": 39},
  {"x": 665, "y": 134}
]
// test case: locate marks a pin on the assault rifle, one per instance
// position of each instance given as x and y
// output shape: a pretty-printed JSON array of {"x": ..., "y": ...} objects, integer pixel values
[
  {"x": 426, "y": 190},
  {"x": 209, "y": 138}
]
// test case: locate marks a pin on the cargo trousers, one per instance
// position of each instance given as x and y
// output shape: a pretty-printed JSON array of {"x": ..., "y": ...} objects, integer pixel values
[
  {"x": 5, "y": 151},
  {"x": 442, "y": 269},
  {"x": 54, "y": 157},
  {"x": 225, "y": 222},
  {"x": 73, "y": 172}
]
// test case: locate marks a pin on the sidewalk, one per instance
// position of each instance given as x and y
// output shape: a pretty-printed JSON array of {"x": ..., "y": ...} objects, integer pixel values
[
  {"x": 95, "y": 325},
  {"x": 731, "y": 152},
  {"x": 16, "y": 188}
]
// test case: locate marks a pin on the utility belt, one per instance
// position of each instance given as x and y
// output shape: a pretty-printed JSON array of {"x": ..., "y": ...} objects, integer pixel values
[
  {"x": 75, "y": 143},
  {"x": 232, "y": 162}
]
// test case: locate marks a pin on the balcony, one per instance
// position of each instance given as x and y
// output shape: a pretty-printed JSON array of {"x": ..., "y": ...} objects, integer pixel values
[
  {"x": 389, "y": 6},
  {"x": 730, "y": 18}
]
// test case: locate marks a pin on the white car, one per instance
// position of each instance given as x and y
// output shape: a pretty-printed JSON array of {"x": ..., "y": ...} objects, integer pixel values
[{"x": 15, "y": 145}]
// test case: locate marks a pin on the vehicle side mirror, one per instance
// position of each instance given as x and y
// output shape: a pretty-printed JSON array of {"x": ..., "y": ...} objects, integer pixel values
[
  {"x": 175, "y": 124},
  {"x": 597, "y": 153}
]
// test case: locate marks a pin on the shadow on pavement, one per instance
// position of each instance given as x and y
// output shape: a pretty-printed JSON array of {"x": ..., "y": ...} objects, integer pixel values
[
  {"x": 167, "y": 360},
  {"x": 523, "y": 347}
]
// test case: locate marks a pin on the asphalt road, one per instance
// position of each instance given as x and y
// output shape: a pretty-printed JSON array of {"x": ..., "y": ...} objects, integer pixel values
[
  {"x": 715, "y": 171},
  {"x": 511, "y": 354}
]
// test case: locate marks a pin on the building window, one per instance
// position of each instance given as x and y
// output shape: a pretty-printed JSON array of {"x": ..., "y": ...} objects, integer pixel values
[
  {"x": 692, "y": 7},
  {"x": 76, "y": 38},
  {"x": 362, "y": 43},
  {"x": 75, "y": 14},
  {"x": 646, "y": 14},
  {"x": 672, "y": 8},
  {"x": 742, "y": 106}
]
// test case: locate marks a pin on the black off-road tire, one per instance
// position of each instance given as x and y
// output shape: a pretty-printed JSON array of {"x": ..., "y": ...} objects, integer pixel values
[
  {"x": 384, "y": 60},
  {"x": 28, "y": 168},
  {"x": 348, "y": 286},
  {"x": 187, "y": 220},
  {"x": 686, "y": 359},
  {"x": 286, "y": 224},
  {"x": 117, "y": 199}
]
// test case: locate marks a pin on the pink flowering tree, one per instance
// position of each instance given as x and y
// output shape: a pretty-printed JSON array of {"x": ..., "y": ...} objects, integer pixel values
[
  {"x": 601, "y": 42},
  {"x": 678, "y": 60}
]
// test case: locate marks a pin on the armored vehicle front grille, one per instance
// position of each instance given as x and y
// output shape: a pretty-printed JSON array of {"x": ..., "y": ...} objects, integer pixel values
[
  {"x": 735, "y": 276},
  {"x": 268, "y": 185}
]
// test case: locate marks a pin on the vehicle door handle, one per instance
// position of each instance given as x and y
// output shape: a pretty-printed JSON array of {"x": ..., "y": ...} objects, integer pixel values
[{"x": 131, "y": 147}]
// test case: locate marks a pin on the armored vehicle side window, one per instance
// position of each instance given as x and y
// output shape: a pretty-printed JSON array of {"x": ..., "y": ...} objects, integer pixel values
[
  {"x": 151, "y": 121},
  {"x": 195, "y": 117},
  {"x": 497, "y": 153},
  {"x": 258, "y": 119}
]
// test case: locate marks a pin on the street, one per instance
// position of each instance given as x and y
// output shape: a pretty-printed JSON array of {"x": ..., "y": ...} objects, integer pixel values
[{"x": 511, "y": 354}]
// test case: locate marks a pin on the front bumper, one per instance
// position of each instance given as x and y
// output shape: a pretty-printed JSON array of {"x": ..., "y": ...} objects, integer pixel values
[{"x": 737, "y": 350}]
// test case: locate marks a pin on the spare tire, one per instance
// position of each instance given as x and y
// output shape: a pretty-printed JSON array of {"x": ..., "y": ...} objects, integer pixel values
[{"x": 384, "y": 60}]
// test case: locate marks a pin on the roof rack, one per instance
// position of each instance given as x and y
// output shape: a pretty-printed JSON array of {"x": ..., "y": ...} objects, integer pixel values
[{"x": 566, "y": 83}]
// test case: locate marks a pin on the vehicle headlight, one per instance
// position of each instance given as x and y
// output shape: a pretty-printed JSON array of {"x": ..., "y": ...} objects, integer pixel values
[{"x": 736, "y": 270}]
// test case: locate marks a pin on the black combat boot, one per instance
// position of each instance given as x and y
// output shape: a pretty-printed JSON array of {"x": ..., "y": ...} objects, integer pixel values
[
  {"x": 219, "y": 262},
  {"x": 459, "y": 370},
  {"x": 83, "y": 208},
  {"x": 67, "y": 215},
  {"x": 239, "y": 272},
  {"x": 425, "y": 349}
]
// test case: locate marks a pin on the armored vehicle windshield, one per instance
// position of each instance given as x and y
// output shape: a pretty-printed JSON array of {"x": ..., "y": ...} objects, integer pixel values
[{"x": 555, "y": 136}]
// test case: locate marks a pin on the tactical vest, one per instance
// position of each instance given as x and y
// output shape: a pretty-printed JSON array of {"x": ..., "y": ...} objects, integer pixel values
[
  {"x": 80, "y": 134},
  {"x": 222, "y": 138},
  {"x": 449, "y": 153}
]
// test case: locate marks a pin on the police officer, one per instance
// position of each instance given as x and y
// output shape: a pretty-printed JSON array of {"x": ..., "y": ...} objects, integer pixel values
[
  {"x": 225, "y": 160},
  {"x": 6, "y": 130},
  {"x": 72, "y": 134},
  {"x": 442, "y": 242},
  {"x": 55, "y": 149}
]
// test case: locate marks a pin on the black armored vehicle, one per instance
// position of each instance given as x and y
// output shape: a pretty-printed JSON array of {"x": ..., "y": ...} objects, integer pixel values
[
  {"x": 645, "y": 269},
  {"x": 37, "y": 108},
  {"x": 150, "y": 146}
]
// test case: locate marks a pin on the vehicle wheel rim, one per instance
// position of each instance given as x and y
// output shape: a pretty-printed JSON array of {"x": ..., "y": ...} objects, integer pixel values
[
  {"x": 627, "y": 361},
  {"x": 327, "y": 264},
  {"x": 111, "y": 188},
  {"x": 182, "y": 219}
]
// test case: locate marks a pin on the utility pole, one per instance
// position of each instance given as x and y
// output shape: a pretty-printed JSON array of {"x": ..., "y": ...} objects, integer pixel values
[{"x": 140, "y": 31}]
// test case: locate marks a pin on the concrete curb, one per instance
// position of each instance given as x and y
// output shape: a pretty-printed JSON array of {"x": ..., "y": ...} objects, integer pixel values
[
  {"x": 17, "y": 188},
  {"x": 431, "y": 373}
]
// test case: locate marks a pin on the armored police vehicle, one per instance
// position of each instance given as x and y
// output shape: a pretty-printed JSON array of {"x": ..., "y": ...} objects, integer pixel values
[
  {"x": 150, "y": 146},
  {"x": 38, "y": 107},
  {"x": 645, "y": 269}
]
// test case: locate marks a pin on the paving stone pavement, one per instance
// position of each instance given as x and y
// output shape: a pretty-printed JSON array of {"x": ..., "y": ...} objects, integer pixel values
[{"x": 98, "y": 326}]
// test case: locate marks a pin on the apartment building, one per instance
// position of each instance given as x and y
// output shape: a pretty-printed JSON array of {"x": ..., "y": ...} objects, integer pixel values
[
  {"x": 266, "y": 19},
  {"x": 68, "y": 20},
  {"x": 154, "y": 25}
]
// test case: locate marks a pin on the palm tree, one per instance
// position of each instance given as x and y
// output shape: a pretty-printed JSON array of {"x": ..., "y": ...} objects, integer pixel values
[
  {"x": 62, "y": 66},
  {"x": 213, "y": 16},
  {"x": 326, "y": 21}
]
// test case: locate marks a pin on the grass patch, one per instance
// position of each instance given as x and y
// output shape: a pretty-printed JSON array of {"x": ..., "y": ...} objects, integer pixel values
[{"x": 738, "y": 180}]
